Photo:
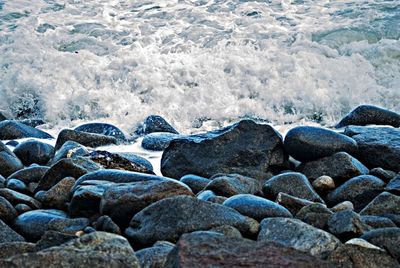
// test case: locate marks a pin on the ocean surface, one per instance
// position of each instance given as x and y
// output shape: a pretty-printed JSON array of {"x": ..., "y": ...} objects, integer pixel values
[{"x": 283, "y": 62}]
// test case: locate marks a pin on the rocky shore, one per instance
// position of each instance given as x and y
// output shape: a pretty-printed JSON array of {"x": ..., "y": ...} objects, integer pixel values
[{"x": 240, "y": 196}]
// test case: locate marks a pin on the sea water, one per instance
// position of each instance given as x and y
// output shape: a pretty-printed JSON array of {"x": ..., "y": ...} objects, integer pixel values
[{"x": 118, "y": 61}]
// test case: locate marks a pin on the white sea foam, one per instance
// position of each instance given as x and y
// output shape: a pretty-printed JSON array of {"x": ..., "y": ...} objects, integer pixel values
[{"x": 119, "y": 61}]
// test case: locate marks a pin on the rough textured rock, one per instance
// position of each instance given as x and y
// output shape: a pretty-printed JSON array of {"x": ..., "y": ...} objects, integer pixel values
[
  {"x": 196, "y": 183},
  {"x": 394, "y": 185},
  {"x": 7, "y": 211},
  {"x": 58, "y": 195},
  {"x": 9, "y": 235},
  {"x": 359, "y": 190},
  {"x": 33, "y": 151},
  {"x": 52, "y": 239},
  {"x": 70, "y": 149},
  {"x": 256, "y": 207},
  {"x": 299, "y": 235},
  {"x": 208, "y": 249},
  {"x": 158, "y": 141},
  {"x": 106, "y": 224},
  {"x": 9, "y": 162},
  {"x": 306, "y": 143},
  {"x": 292, "y": 203},
  {"x": 347, "y": 224},
  {"x": 292, "y": 183},
  {"x": 17, "y": 185},
  {"x": 17, "y": 198},
  {"x": 121, "y": 202},
  {"x": 29, "y": 174},
  {"x": 155, "y": 123},
  {"x": 103, "y": 129},
  {"x": 98, "y": 249},
  {"x": 9, "y": 249},
  {"x": 378, "y": 146},
  {"x": 376, "y": 222},
  {"x": 370, "y": 115},
  {"x": 233, "y": 184},
  {"x": 10, "y": 129},
  {"x": 340, "y": 167},
  {"x": 169, "y": 218},
  {"x": 84, "y": 138},
  {"x": 385, "y": 204},
  {"x": 68, "y": 226},
  {"x": 386, "y": 238},
  {"x": 227, "y": 231},
  {"x": 316, "y": 215},
  {"x": 246, "y": 148},
  {"x": 155, "y": 256},
  {"x": 383, "y": 174}
]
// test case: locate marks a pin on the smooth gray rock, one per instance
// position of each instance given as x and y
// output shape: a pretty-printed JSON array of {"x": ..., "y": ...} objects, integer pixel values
[
  {"x": 385, "y": 204},
  {"x": 103, "y": 129},
  {"x": 370, "y": 115},
  {"x": 29, "y": 174},
  {"x": 196, "y": 183},
  {"x": 210, "y": 196},
  {"x": 17, "y": 186},
  {"x": 9, "y": 162},
  {"x": 70, "y": 149},
  {"x": 84, "y": 138},
  {"x": 233, "y": 184},
  {"x": 10, "y": 130},
  {"x": 386, "y": 238},
  {"x": 376, "y": 222},
  {"x": 57, "y": 196},
  {"x": 18, "y": 198},
  {"x": 155, "y": 123},
  {"x": 7, "y": 211},
  {"x": 33, "y": 151},
  {"x": 346, "y": 225},
  {"x": 315, "y": 214},
  {"x": 292, "y": 203},
  {"x": 394, "y": 185},
  {"x": 158, "y": 141},
  {"x": 383, "y": 174},
  {"x": 154, "y": 256},
  {"x": 68, "y": 226}
]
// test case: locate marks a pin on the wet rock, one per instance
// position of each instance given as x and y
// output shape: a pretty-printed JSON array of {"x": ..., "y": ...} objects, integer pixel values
[
  {"x": 9, "y": 162},
  {"x": 9, "y": 249},
  {"x": 2, "y": 182},
  {"x": 169, "y": 218},
  {"x": 32, "y": 122},
  {"x": 376, "y": 222},
  {"x": 378, "y": 146},
  {"x": 137, "y": 159},
  {"x": 359, "y": 190},
  {"x": 340, "y": 167},
  {"x": 155, "y": 123},
  {"x": 233, "y": 184},
  {"x": 33, "y": 224},
  {"x": 196, "y": 183},
  {"x": 29, "y": 174},
  {"x": 158, "y": 141},
  {"x": 347, "y": 224},
  {"x": 316, "y": 215},
  {"x": 394, "y": 185},
  {"x": 84, "y": 138},
  {"x": 69, "y": 149},
  {"x": 208, "y": 249},
  {"x": 22, "y": 208},
  {"x": 12, "y": 143},
  {"x": 106, "y": 224},
  {"x": 292, "y": 203},
  {"x": 10, "y": 130},
  {"x": 9, "y": 235},
  {"x": 33, "y": 151},
  {"x": 345, "y": 205},
  {"x": 296, "y": 234},
  {"x": 383, "y": 174},
  {"x": 256, "y": 207},
  {"x": 307, "y": 143},
  {"x": 292, "y": 183},
  {"x": 17, "y": 198},
  {"x": 323, "y": 184},
  {"x": 154, "y": 256},
  {"x": 370, "y": 115},
  {"x": 57, "y": 196},
  {"x": 68, "y": 226},
  {"x": 98, "y": 249},
  {"x": 246, "y": 148},
  {"x": 103, "y": 129},
  {"x": 386, "y": 238},
  {"x": 385, "y": 205},
  {"x": 210, "y": 196},
  {"x": 121, "y": 202},
  {"x": 17, "y": 185},
  {"x": 52, "y": 239},
  {"x": 7, "y": 211}
]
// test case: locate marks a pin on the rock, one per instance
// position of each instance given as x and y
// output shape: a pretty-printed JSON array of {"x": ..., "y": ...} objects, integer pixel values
[
  {"x": 103, "y": 129},
  {"x": 7, "y": 211},
  {"x": 85, "y": 200},
  {"x": 32, "y": 122},
  {"x": 52, "y": 239},
  {"x": 293, "y": 204},
  {"x": 350, "y": 255},
  {"x": 378, "y": 146},
  {"x": 307, "y": 143},
  {"x": 155, "y": 256},
  {"x": 2, "y": 181},
  {"x": 208, "y": 249},
  {"x": 323, "y": 184},
  {"x": 33, "y": 151},
  {"x": 210, "y": 196},
  {"x": 316, "y": 215},
  {"x": 376, "y": 222},
  {"x": 233, "y": 184},
  {"x": 2, "y": 117},
  {"x": 9, "y": 235},
  {"x": 158, "y": 141},
  {"x": 137, "y": 159},
  {"x": 359, "y": 190},
  {"x": 106, "y": 224},
  {"x": 12, "y": 143},
  {"x": 69, "y": 149},
  {"x": 256, "y": 207},
  {"x": 22, "y": 208},
  {"x": 84, "y": 138},
  {"x": 169, "y": 218},
  {"x": 196, "y": 183},
  {"x": 17, "y": 198},
  {"x": 370, "y": 115},
  {"x": 155, "y": 123},
  {"x": 292, "y": 183},
  {"x": 122, "y": 202},
  {"x": 57, "y": 196},
  {"x": 345, "y": 205},
  {"x": 66, "y": 167},
  {"x": 17, "y": 186},
  {"x": 9, "y": 162},
  {"x": 347, "y": 224},
  {"x": 115, "y": 161},
  {"x": 246, "y": 148},
  {"x": 29, "y": 174},
  {"x": 9, "y": 249},
  {"x": 340, "y": 167},
  {"x": 227, "y": 231},
  {"x": 33, "y": 224},
  {"x": 386, "y": 238},
  {"x": 98, "y": 249},
  {"x": 296, "y": 234},
  {"x": 383, "y": 174},
  {"x": 68, "y": 226},
  {"x": 10, "y": 129},
  {"x": 385, "y": 205},
  {"x": 394, "y": 185}
]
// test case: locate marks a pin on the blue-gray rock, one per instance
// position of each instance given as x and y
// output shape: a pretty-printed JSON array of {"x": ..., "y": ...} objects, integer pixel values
[
  {"x": 154, "y": 256},
  {"x": 106, "y": 224},
  {"x": 67, "y": 225},
  {"x": 29, "y": 174},
  {"x": 137, "y": 159},
  {"x": 84, "y": 138},
  {"x": 386, "y": 238},
  {"x": 377, "y": 146},
  {"x": 12, "y": 143},
  {"x": 383, "y": 174},
  {"x": 306, "y": 143},
  {"x": 376, "y": 222},
  {"x": 158, "y": 141},
  {"x": 292, "y": 203},
  {"x": 155, "y": 123},
  {"x": 394, "y": 185},
  {"x": 33, "y": 151},
  {"x": 370, "y": 115},
  {"x": 256, "y": 207},
  {"x": 103, "y": 129},
  {"x": 32, "y": 122},
  {"x": 18, "y": 198},
  {"x": 9, "y": 235},
  {"x": 69, "y": 149},
  {"x": 9, "y": 162},
  {"x": 347, "y": 224},
  {"x": 292, "y": 183},
  {"x": 385, "y": 205},
  {"x": 10, "y": 129},
  {"x": 315, "y": 214},
  {"x": 210, "y": 196},
  {"x": 359, "y": 190},
  {"x": 57, "y": 196},
  {"x": 7, "y": 211},
  {"x": 233, "y": 184},
  {"x": 196, "y": 183},
  {"x": 245, "y": 148},
  {"x": 18, "y": 186},
  {"x": 9, "y": 249},
  {"x": 22, "y": 208}
]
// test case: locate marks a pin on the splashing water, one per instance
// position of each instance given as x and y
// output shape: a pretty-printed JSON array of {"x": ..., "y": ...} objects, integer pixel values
[{"x": 119, "y": 61}]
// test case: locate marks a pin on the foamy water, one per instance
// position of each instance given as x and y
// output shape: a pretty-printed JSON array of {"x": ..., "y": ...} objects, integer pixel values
[{"x": 119, "y": 61}]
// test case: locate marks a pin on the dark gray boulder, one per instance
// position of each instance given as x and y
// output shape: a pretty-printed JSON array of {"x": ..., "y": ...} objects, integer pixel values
[
  {"x": 57, "y": 196},
  {"x": 33, "y": 151},
  {"x": 9, "y": 249},
  {"x": 106, "y": 224},
  {"x": 10, "y": 129},
  {"x": 385, "y": 205},
  {"x": 70, "y": 149},
  {"x": 292, "y": 203},
  {"x": 315, "y": 214},
  {"x": 196, "y": 183},
  {"x": 29, "y": 174},
  {"x": 84, "y": 138},
  {"x": 9, "y": 235},
  {"x": 103, "y": 129},
  {"x": 7, "y": 211},
  {"x": 383, "y": 174},
  {"x": 246, "y": 148},
  {"x": 53, "y": 238},
  {"x": 155, "y": 123},
  {"x": 307, "y": 143},
  {"x": 158, "y": 141},
  {"x": 67, "y": 225},
  {"x": 17, "y": 185},
  {"x": 370, "y": 115},
  {"x": 394, "y": 185},
  {"x": 154, "y": 256},
  {"x": 233, "y": 184},
  {"x": 376, "y": 222},
  {"x": 386, "y": 238},
  {"x": 18, "y": 198},
  {"x": 347, "y": 224},
  {"x": 9, "y": 162}
]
